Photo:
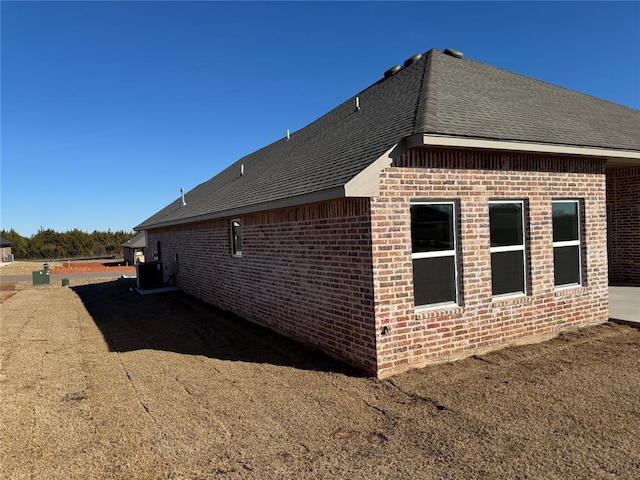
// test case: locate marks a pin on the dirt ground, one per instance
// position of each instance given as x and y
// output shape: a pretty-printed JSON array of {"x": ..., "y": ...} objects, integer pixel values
[
  {"x": 83, "y": 267},
  {"x": 23, "y": 267},
  {"x": 99, "y": 382}
]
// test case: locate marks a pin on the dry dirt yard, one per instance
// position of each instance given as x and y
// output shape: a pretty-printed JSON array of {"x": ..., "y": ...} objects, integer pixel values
[{"x": 97, "y": 381}]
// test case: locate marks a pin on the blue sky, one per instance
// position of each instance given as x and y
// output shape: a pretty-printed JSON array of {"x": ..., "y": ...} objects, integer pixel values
[{"x": 109, "y": 108}]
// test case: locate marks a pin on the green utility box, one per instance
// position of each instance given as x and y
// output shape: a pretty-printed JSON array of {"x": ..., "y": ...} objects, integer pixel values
[{"x": 41, "y": 277}]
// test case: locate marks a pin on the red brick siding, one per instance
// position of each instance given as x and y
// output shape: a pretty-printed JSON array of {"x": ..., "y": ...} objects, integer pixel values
[
  {"x": 408, "y": 339},
  {"x": 623, "y": 207},
  {"x": 305, "y": 272}
]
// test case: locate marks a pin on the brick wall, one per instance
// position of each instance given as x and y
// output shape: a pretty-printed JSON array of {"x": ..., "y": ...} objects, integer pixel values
[
  {"x": 304, "y": 271},
  {"x": 623, "y": 208},
  {"x": 310, "y": 272},
  {"x": 408, "y": 339}
]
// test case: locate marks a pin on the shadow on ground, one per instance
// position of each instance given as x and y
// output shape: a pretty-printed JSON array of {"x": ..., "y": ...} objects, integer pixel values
[{"x": 177, "y": 322}]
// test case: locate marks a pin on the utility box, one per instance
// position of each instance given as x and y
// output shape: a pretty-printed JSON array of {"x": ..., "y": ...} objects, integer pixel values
[
  {"x": 41, "y": 277},
  {"x": 149, "y": 275}
]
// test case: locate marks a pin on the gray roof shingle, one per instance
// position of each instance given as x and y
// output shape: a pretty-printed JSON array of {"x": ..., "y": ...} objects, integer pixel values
[
  {"x": 137, "y": 241},
  {"x": 437, "y": 94},
  {"x": 477, "y": 100}
]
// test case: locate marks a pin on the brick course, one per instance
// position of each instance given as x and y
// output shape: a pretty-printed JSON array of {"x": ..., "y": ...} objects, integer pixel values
[{"x": 623, "y": 209}]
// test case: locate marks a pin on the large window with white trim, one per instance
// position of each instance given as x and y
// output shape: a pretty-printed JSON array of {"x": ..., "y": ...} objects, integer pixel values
[
  {"x": 567, "y": 261},
  {"x": 435, "y": 261},
  {"x": 508, "y": 247}
]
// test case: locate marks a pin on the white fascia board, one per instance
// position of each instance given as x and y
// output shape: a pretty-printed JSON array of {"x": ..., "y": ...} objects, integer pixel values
[
  {"x": 431, "y": 140},
  {"x": 367, "y": 182}
]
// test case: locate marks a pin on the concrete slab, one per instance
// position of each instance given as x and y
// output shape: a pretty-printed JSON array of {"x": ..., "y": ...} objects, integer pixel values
[{"x": 624, "y": 303}]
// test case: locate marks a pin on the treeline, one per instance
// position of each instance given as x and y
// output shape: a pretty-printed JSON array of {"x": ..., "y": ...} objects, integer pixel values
[{"x": 49, "y": 244}]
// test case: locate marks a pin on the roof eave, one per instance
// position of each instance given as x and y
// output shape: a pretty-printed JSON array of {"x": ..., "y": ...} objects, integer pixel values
[
  {"x": 449, "y": 141},
  {"x": 324, "y": 195},
  {"x": 364, "y": 184}
]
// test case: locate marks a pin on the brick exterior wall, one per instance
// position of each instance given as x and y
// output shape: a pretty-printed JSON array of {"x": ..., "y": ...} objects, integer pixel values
[
  {"x": 623, "y": 209},
  {"x": 338, "y": 275},
  {"x": 304, "y": 271},
  {"x": 407, "y": 338}
]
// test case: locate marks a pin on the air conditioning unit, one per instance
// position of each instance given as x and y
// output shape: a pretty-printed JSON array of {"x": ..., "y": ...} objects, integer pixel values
[{"x": 150, "y": 275}]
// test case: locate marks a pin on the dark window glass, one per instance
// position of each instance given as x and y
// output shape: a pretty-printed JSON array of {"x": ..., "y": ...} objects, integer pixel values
[
  {"x": 565, "y": 221},
  {"x": 434, "y": 280},
  {"x": 566, "y": 265},
  {"x": 505, "y": 220},
  {"x": 507, "y": 272},
  {"x": 432, "y": 228}
]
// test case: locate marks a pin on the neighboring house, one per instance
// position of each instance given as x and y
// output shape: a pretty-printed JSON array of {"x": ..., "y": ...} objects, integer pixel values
[
  {"x": 448, "y": 209},
  {"x": 5, "y": 251},
  {"x": 133, "y": 249}
]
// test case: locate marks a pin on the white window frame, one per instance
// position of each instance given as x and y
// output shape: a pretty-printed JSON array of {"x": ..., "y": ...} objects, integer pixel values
[
  {"x": 236, "y": 253},
  {"x": 569, "y": 243},
  {"x": 443, "y": 253},
  {"x": 512, "y": 248}
]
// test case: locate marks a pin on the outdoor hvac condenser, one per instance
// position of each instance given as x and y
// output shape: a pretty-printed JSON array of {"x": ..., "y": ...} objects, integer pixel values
[{"x": 149, "y": 275}]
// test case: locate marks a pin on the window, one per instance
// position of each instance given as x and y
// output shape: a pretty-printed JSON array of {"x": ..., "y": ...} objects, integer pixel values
[
  {"x": 236, "y": 238},
  {"x": 433, "y": 244},
  {"x": 508, "y": 261},
  {"x": 566, "y": 243}
]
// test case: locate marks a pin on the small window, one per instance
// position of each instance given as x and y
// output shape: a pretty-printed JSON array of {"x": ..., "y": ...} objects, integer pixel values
[
  {"x": 435, "y": 266},
  {"x": 508, "y": 260},
  {"x": 236, "y": 238},
  {"x": 567, "y": 246}
]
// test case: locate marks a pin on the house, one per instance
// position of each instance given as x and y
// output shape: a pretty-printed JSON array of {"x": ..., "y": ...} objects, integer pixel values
[
  {"x": 5, "y": 251},
  {"x": 449, "y": 209},
  {"x": 133, "y": 249}
]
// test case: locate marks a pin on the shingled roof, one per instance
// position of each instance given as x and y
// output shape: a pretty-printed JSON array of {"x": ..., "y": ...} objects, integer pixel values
[{"x": 438, "y": 94}]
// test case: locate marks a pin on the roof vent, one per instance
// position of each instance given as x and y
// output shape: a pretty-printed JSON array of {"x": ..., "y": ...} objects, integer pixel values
[
  {"x": 412, "y": 59},
  {"x": 453, "y": 53},
  {"x": 392, "y": 70}
]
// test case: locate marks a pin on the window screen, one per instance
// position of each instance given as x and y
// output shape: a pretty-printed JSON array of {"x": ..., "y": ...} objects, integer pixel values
[
  {"x": 433, "y": 241},
  {"x": 506, "y": 231},
  {"x": 566, "y": 243}
]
